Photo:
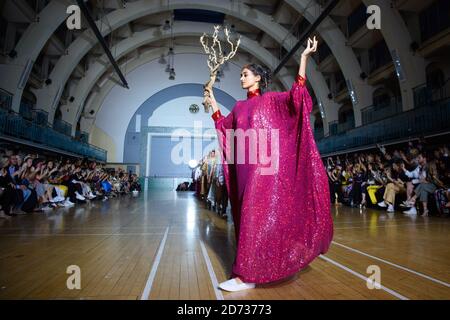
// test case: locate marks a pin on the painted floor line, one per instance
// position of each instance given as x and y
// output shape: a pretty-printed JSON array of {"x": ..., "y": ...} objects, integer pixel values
[
  {"x": 393, "y": 264},
  {"x": 212, "y": 274},
  {"x": 390, "y": 291},
  {"x": 152, "y": 275}
]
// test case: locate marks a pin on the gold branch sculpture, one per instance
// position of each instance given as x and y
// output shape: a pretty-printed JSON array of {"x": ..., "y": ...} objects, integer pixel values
[{"x": 216, "y": 57}]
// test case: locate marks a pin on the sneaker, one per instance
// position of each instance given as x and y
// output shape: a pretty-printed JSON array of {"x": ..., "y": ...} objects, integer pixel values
[
  {"x": 46, "y": 207},
  {"x": 412, "y": 211},
  {"x": 407, "y": 204},
  {"x": 79, "y": 196},
  {"x": 58, "y": 199},
  {"x": 91, "y": 195},
  {"x": 232, "y": 285},
  {"x": 68, "y": 203},
  {"x": 4, "y": 215},
  {"x": 382, "y": 204},
  {"x": 390, "y": 208}
]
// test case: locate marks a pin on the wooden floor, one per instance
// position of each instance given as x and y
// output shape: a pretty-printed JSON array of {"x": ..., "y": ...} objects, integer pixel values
[{"x": 165, "y": 245}]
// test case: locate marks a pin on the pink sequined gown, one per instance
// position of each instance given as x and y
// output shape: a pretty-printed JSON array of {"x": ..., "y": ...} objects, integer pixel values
[{"x": 282, "y": 220}]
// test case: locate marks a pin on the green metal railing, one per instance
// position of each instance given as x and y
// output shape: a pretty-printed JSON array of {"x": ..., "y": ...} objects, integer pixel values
[
  {"x": 423, "y": 120},
  {"x": 5, "y": 100},
  {"x": 377, "y": 112},
  {"x": 62, "y": 127},
  {"x": 14, "y": 125}
]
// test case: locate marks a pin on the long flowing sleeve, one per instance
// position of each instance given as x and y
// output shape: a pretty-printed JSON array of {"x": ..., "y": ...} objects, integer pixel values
[
  {"x": 299, "y": 95},
  {"x": 290, "y": 103},
  {"x": 222, "y": 122}
]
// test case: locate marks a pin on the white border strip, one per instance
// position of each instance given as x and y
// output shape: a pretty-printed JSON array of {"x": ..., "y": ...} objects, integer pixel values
[
  {"x": 212, "y": 275},
  {"x": 392, "y": 292},
  {"x": 393, "y": 264},
  {"x": 152, "y": 275}
]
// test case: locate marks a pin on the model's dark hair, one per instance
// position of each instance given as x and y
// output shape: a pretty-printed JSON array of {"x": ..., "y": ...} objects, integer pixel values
[{"x": 263, "y": 72}]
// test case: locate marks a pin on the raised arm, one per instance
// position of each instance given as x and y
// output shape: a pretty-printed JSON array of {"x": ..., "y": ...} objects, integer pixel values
[
  {"x": 310, "y": 49},
  {"x": 221, "y": 122},
  {"x": 298, "y": 95}
]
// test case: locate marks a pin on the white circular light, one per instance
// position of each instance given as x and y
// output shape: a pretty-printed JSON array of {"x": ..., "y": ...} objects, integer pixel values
[{"x": 193, "y": 163}]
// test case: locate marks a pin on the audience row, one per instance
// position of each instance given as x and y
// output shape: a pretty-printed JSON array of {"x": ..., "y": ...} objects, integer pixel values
[
  {"x": 31, "y": 183},
  {"x": 413, "y": 177}
]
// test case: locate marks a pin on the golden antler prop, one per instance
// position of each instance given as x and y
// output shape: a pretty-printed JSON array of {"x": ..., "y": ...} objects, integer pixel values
[{"x": 216, "y": 57}]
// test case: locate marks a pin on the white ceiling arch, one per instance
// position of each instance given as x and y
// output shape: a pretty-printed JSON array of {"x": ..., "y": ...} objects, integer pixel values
[
  {"x": 72, "y": 111},
  {"x": 48, "y": 96},
  {"x": 344, "y": 54},
  {"x": 29, "y": 47},
  {"x": 117, "y": 105}
]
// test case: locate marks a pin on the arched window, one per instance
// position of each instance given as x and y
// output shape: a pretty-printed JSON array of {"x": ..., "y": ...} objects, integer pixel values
[
  {"x": 346, "y": 113},
  {"x": 435, "y": 81},
  {"x": 381, "y": 98}
]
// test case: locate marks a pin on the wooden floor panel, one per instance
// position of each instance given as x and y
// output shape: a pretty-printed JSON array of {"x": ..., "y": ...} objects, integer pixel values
[{"x": 116, "y": 243}]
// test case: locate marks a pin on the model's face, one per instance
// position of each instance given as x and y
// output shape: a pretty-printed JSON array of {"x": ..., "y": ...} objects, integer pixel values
[{"x": 249, "y": 80}]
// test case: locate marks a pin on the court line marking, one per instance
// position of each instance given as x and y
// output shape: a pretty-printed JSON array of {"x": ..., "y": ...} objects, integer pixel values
[
  {"x": 376, "y": 284},
  {"x": 91, "y": 234},
  {"x": 393, "y": 264},
  {"x": 390, "y": 225},
  {"x": 152, "y": 275},
  {"x": 212, "y": 274}
]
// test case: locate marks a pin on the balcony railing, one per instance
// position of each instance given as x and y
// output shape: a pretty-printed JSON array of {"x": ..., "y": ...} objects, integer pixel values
[
  {"x": 318, "y": 134},
  {"x": 345, "y": 126},
  {"x": 82, "y": 136},
  {"x": 26, "y": 110},
  {"x": 426, "y": 119},
  {"x": 62, "y": 126},
  {"x": 14, "y": 125},
  {"x": 377, "y": 112},
  {"x": 40, "y": 117},
  {"x": 333, "y": 127},
  {"x": 425, "y": 94},
  {"x": 5, "y": 100}
]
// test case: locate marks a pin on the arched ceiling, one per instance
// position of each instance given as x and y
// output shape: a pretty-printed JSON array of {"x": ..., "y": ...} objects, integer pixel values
[{"x": 45, "y": 49}]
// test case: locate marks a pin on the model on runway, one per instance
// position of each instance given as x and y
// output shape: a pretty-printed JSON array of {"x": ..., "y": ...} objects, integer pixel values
[{"x": 281, "y": 209}]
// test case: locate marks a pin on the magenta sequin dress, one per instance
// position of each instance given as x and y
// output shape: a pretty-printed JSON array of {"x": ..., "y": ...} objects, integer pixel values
[{"x": 282, "y": 220}]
